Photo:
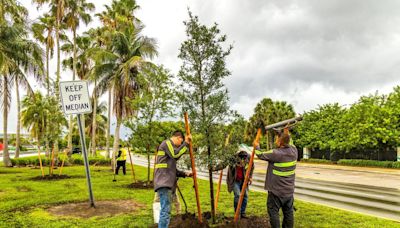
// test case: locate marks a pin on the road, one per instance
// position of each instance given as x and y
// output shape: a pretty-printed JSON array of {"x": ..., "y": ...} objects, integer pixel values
[{"x": 374, "y": 192}]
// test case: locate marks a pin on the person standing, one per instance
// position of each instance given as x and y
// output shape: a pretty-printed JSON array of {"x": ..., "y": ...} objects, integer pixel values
[
  {"x": 165, "y": 173},
  {"x": 121, "y": 160},
  {"x": 280, "y": 179}
]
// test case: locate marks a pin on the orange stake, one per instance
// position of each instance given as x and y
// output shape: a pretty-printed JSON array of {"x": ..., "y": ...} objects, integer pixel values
[
  {"x": 220, "y": 179},
  {"x": 196, "y": 188},
  {"x": 62, "y": 164},
  {"x": 247, "y": 177},
  {"x": 52, "y": 162},
  {"x": 40, "y": 162},
  {"x": 133, "y": 171},
  {"x": 218, "y": 190}
]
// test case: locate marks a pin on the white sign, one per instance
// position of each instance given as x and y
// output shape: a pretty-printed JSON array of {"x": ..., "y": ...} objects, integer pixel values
[{"x": 75, "y": 97}]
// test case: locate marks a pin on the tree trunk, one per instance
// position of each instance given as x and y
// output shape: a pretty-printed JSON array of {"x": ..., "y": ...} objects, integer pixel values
[
  {"x": 108, "y": 126},
  {"x": 6, "y": 155},
  {"x": 94, "y": 120},
  {"x": 57, "y": 86},
  {"x": 116, "y": 138},
  {"x": 18, "y": 140},
  {"x": 70, "y": 131},
  {"x": 210, "y": 179},
  {"x": 47, "y": 69},
  {"x": 148, "y": 163}
]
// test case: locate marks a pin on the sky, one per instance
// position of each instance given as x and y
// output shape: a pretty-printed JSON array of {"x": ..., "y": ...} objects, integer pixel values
[{"x": 307, "y": 53}]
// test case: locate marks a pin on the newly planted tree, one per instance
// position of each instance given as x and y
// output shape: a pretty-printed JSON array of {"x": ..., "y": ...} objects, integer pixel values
[
  {"x": 154, "y": 103},
  {"x": 203, "y": 93}
]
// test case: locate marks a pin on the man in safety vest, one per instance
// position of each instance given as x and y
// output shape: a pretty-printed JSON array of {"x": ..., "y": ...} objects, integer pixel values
[
  {"x": 165, "y": 173},
  {"x": 280, "y": 179},
  {"x": 121, "y": 160}
]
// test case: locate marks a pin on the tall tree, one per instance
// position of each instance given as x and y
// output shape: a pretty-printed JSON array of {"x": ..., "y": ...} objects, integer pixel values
[
  {"x": 154, "y": 103},
  {"x": 268, "y": 112},
  {"x": 118, "y": 64},
  {"x": 76, "y": 11},
  {"x": 204, "y": 95}
]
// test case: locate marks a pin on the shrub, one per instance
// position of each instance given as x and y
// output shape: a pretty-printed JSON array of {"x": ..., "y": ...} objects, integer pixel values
[
  {"x": 369, "y": 163},
  {"x": 73, "y": 160},
  {"x": 319, "y": 161}
]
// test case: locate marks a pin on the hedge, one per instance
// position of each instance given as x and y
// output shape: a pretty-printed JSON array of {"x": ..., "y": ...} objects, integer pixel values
[
  {"x": 73, "y": 160},
  {"x": 318, "y": 161},
  {"x": 369, "y": 163}
]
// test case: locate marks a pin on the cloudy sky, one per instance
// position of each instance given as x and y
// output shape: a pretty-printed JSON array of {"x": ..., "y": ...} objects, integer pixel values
[{"x": 306, "y": 52}]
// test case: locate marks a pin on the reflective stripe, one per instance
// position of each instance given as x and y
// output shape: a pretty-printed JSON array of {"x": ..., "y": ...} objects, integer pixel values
[
  {"x": 160, "y": 153},
  {"x": 258, "y": 152},
  {"x": 285, "y": 164},
  {"x": 161, "y": 166},
  {"x": 282, "y": 174},
  {"x": 172, "y": 151}
]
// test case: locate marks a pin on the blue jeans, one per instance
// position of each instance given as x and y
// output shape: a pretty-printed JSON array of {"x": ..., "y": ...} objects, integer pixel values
[
  {"x": 165, "y": 203},
  {"x": 237, "y": 188}
]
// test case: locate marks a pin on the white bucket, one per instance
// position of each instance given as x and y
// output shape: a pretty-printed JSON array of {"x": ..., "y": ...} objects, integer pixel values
[{"x": 156, "y": 211}]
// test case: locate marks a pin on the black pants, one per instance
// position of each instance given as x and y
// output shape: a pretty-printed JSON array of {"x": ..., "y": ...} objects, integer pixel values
[
  {"x": 119, "y": 164},
  {"x": 274, "y": 203}
]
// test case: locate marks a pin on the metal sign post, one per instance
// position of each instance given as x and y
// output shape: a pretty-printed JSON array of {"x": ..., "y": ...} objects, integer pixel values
[{"x": 76, "y": 100}]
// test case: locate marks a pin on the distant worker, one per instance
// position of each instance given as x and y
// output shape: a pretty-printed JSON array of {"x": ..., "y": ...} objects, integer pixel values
[
  {"x": 165, "y": 173},
  {"x": 121, "y": 160},
  {"x": 280, "y": 179},
  {"x": 237, "y": 169}
]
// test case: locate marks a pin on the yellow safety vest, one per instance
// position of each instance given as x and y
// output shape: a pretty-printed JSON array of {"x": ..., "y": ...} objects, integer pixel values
[{"x": 123, "y": 155}]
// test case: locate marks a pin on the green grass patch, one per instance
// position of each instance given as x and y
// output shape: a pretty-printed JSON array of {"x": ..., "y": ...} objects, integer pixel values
[
  {"x": 317, "y": 161},
  {"x": 369, "y": 163},
  {"x": 23, "y": 202}
]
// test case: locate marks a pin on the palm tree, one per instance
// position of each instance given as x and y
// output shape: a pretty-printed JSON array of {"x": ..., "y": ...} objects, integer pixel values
[
  {"x": 18, "y": 54},
  {"x": 118, "y": 69},
  {"x": 76, "y": 11},
  {"x": 34, "y": 116},
  {"x": 115, "y": 18},
  {"x": 44, "y": 32}
]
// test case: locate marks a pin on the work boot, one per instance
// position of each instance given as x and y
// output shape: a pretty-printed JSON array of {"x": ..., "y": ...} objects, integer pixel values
[{"x": 243, "y": 216}]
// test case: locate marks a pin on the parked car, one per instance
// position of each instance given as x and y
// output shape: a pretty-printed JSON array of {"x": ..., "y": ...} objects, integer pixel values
[{"x": 76, "y": 150}]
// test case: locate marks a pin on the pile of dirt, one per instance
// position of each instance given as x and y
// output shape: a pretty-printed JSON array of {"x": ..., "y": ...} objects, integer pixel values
[
  {"x": 54, "y": 177},
  {"x": 187, "y": 220},
  {"x": 141, "y": 185},
  {"x": 252, "y": 221},
  {"x": 102, "y": 209}
]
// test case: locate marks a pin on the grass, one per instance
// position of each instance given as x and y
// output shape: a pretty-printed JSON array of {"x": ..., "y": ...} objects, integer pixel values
[{"x": 23, "y": 202}]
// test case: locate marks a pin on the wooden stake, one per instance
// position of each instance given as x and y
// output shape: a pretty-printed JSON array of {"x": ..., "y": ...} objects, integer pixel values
[
  {"x": 52, "y": 162},
  {"x": 220, "y": 178},
  {"x": 62, "y": 164},
  {"x": 196, "y": 188},
  {"x": 133, "y": 171},
  {"x": 218, "y": 190},
  {"x": 40, "y": 162},
  {"x": 247, "y": 177}
]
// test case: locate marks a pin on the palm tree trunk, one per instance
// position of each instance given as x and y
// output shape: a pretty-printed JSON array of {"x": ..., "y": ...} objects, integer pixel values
[
  {"x": 58, "y": 62},
  {"x": 18, "y": 141},
  {"x": 6, "y": 155},
  {"x": 47, "y": 69},
  {"x": 73, "y": 78},
  {"x": 108, "y": 126},
  {"x": 94, "y": 120},
  {"x": 116, "y": 137}
]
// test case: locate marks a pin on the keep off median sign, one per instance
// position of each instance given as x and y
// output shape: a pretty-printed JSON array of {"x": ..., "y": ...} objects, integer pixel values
[{"x": 75, "y": 99}]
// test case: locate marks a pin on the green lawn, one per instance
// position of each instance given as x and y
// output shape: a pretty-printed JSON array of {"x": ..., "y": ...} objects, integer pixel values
[{"x": 23, "y": 202}]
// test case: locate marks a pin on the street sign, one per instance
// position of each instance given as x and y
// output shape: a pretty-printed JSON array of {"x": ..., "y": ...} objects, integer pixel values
[
  {"x": 75, "y": 100},
  {"x": 75, "y": 97}
]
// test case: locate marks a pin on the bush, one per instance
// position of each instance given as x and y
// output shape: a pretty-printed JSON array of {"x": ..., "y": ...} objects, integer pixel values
[
  {"x": 369, "y": 163},
  {"x": 319, "y": 161},
  {"x": 73, "y": 160}
]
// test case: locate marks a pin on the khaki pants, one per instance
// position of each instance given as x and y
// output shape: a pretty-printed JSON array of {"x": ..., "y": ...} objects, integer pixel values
[{"x": 175, "y": 201}]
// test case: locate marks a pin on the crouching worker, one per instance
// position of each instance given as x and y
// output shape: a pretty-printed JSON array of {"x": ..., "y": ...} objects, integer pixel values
[
  {"x": 280, "y": 179},
  {"x": 165, "y": 173},
  {"x": 237, "y": 169}
]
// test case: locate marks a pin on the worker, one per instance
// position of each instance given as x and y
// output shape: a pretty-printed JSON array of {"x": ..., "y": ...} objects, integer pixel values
[
  {"x": 165, "y": 174},
  {"x": 121, "y": 160},
  {"x": 280, "y": 178},
  {"x": 175, "y": 197},
  {"x": 237, "y": 169}
]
